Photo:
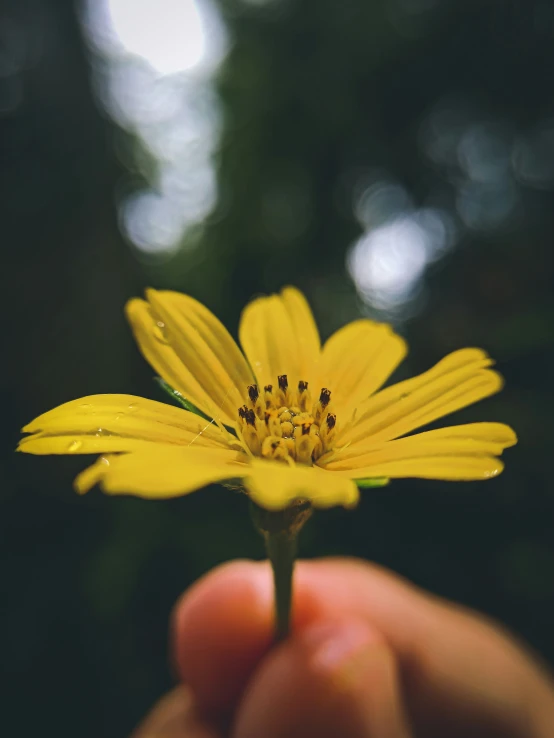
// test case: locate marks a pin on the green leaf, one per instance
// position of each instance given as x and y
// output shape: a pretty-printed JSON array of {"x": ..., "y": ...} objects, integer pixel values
[
  {"x": 178, "y": 398},
  {"x": 372, "y": 482}
]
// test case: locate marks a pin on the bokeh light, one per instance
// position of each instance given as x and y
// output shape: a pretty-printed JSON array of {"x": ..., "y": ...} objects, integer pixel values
[
  {"x": 388, "y": 262},
  {"x": 168, "y": 34},
  {"x": 153, "y": 71}
]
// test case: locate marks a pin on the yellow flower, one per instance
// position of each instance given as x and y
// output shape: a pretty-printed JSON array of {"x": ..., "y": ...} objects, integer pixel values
[{"x": 287, "y": 419}]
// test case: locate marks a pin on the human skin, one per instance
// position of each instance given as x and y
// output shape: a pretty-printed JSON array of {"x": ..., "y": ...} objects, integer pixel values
[{"x": 370, "y": 656}]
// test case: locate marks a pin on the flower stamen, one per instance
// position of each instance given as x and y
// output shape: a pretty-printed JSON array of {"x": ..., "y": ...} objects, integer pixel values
[
  {"x": 285, "y": 425},
  {"x": 282, "y": 397},
  {"x": 321, "y": 407},
  {"x": 304, "y": 396},
  {"x": 327, "y": 431},
  {"x": 256, "y": 402}
]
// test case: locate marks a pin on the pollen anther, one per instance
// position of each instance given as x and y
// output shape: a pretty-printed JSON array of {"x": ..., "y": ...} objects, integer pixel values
[{"x": 325, "y": 396}]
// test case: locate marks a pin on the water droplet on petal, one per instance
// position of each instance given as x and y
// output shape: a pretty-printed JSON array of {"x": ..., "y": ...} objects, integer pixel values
[
  {"x": 101, "y": 432},
  {"x": 133, "y": 407},
  {"x": 74, "y": 446},
  {"x": 85, "y": 406},
  {"x": 159, "y": 334}
]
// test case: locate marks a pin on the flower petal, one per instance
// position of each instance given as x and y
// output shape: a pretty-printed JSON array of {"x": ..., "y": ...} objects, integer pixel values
[
  {"x": 169, "y": 471},
  {"x": 274, "y": 486},
  {"x": 304, "y": 326},
  {"x": 160, "y": 354},
  {"x": 460, "y": 379},
  {"x": 104, "y": 423},
  {"x": 279, "y": 336},
  {"x": 207, "y": 351},
  {"x": 455, "y": 468},
  {"x": 357, "y": 360},
  {"x": 471, "y": 447},
  {"x": 163, "y": 472},
  {"x": 75, "y": 444}
]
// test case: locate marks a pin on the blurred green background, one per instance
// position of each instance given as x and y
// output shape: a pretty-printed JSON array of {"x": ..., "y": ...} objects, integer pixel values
[{"x": 394, "y": 159}]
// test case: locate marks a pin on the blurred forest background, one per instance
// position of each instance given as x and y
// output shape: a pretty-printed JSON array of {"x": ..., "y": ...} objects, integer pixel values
[{"x": 394, "y": 159}]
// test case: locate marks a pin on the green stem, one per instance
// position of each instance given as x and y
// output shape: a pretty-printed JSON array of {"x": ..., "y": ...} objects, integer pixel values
[
  {"x": 280, "y": 530},
  {"x": 281, "y": 551}
]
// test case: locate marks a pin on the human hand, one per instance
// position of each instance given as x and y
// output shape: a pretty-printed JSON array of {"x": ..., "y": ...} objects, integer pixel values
[{"x": 370, "y": 656}]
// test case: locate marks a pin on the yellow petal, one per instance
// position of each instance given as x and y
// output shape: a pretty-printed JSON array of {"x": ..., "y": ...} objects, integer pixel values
[
  {"x": 104, "y": 423},
  {"x": 74, "y": 444},
  {"x": 206, "y": 350},
  {"x": 455, "y": 468},
  {"x": 304, "y": 326},
  {"x": 279, "y": 336},
  {"x": 274, "y": 486},
  {"x": 162, "y": 472},
  {"x": 171, "y": 472},
  {"x": 357, "y": 360},
  {"x": 466, "y": 444},
  {"x": 460, "y": 379},
  {"x": 91, "y": 476},
  {"x": 160, "y": 354}
]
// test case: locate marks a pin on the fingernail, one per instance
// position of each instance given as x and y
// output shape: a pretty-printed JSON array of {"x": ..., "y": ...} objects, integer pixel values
[{"x": 336, "y": 646}]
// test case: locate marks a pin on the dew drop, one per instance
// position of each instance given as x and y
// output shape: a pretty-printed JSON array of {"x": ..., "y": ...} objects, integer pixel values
[
  {"x": 101, "y": 432},
  {"x": 133, "y": 407},
  {"x": 159, "y": 335},
  {"x": 85, "y": 406},
  {"x": 74, "y": 446}
]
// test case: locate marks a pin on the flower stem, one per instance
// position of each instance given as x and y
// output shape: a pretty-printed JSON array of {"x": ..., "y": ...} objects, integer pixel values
[
  {"x": 280, "y": 530},
  {"x": 281, "y": 551}
]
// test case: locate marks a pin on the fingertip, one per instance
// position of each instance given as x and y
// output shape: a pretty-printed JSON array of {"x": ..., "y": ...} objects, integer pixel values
[
  {"x": 221, "y": 628},
  {"x": 335, "y": 677},
  {"x": 243, "y": 574}
]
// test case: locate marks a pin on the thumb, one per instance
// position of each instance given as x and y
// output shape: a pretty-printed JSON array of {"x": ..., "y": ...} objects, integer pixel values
[{"x": 334, "y": 678}]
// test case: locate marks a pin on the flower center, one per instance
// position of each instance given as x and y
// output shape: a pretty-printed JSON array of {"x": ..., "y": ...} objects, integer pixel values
[{"x": 286, "y": 424}]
